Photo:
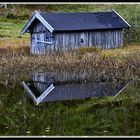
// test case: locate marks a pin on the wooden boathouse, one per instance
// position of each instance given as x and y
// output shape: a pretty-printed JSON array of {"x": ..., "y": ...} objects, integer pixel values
[{"x": 68, "y": 31}]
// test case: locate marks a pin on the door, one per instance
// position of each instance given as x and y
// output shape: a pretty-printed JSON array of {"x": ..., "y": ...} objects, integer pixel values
[
  {"x": 38, "y": 43},
  {"x": 41, "y": 43},
  {"x": 49, "y": 42}
]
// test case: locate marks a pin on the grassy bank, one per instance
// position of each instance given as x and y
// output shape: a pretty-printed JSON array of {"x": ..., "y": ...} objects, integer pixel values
[{"x": 83, "y": 64}]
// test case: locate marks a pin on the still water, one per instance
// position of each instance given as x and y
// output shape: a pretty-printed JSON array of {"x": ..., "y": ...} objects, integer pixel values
[
  {"x": 68, "y": 90},
  {"x": 76, "y": 90},
  {"x": 96, "y": 116}
]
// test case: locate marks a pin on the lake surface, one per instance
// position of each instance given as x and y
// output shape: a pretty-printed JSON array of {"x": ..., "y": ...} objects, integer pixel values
[
  {"x": 97, "y": 116},
  {"x": 68, "y": 89},
  {"x": 76, "y": 90}
]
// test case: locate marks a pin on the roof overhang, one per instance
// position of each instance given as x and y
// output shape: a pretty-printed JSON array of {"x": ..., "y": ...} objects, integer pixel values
[
  {"x": 122, "y": 18},
  {"x": 36, "y": 15}
]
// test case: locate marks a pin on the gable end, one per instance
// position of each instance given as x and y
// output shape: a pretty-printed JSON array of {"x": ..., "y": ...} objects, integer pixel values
[{"x": 36, "y": 15}]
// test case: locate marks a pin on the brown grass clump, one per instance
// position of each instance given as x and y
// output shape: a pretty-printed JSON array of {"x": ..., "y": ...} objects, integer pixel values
[
  {"x": 84, "y": 50},
  {"x": 101, "y": 65}
]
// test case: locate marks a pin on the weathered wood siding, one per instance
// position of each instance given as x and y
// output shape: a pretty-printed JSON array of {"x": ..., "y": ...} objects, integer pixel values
[
  {"x": 64, "y": 41},
  {"x": 100, "y": 39},
  {"x": 37, "y": 27},
  {"x": 39, "y": 33}
]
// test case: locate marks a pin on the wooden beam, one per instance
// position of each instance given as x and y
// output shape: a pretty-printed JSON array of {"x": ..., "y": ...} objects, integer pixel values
[
  {"x": 28, "y": 23},
  {"x": 41, "y": 97},
  {"x": 29, "y": 92},
  {"x": 44, "y": 22},
  {"x": 122, "y": 89},
  {"x": 44, "y": 42},
  {"x": 45, "y": 93},
  {"x": 121, "y": 18},
  {"x": 41, "y": 19}
]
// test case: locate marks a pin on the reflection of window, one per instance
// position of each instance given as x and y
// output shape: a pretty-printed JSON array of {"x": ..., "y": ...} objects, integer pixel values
[{"x": 82, "y": 40}]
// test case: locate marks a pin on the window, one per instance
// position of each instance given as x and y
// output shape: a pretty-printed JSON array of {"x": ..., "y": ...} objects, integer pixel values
[
  {"x": 82, "y": 40},
  {"x": 44, "y": 38},
  {"x": 38, "y": 36},
  {"x": 49, "y": 37}
]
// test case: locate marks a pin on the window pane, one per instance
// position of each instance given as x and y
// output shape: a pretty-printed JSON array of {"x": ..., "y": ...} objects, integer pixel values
[{"x": 49, "y": 37}]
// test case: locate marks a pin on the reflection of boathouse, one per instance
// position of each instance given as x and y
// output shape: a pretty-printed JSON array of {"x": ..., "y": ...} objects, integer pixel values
[{"x": 43, "y": 88}]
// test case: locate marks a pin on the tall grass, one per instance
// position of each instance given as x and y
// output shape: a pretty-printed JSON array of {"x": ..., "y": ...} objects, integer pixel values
[{"x": 101, "y": 65}]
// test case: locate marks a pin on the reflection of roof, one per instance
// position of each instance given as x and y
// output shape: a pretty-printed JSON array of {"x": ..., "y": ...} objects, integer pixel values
[
  {"x": 68, "y": 91},
  {"x": 78, "y": 21},
  {"x": 81, "y": 91},
  {"x": 84, "y": 21}
]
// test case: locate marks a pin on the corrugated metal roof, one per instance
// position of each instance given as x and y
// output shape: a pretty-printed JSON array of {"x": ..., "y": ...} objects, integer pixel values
[{"x": 84, "y": 21}]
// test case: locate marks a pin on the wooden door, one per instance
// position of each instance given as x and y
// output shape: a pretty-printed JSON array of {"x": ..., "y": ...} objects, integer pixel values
[
  {"x": 37, "y": 45},
  {"x": 49, "y": 45},
  {"x": 41, "y": 43}
]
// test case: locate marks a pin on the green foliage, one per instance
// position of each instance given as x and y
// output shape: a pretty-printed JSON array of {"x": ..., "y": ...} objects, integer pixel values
[{"x": 10, "y": 15}]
